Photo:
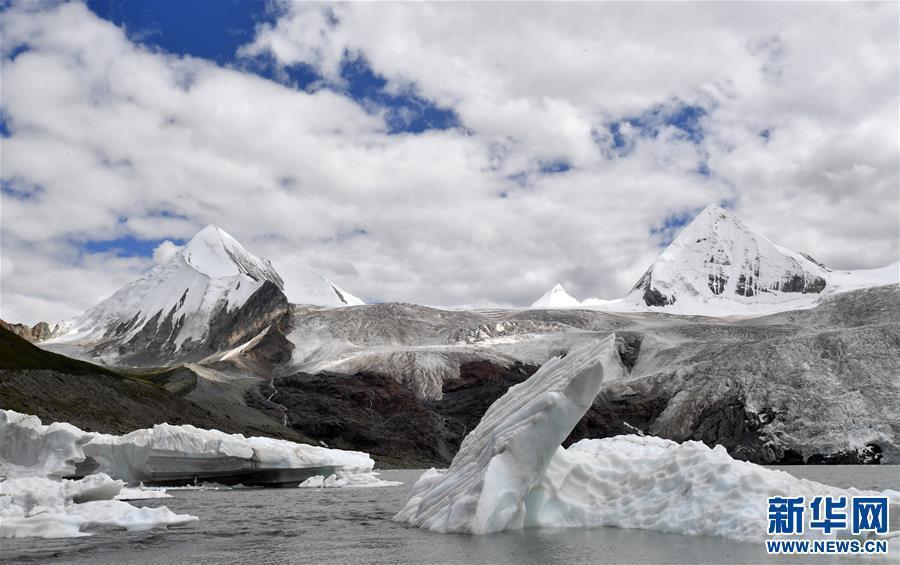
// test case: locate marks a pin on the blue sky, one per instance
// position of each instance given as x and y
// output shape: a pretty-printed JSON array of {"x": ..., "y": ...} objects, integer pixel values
[{"x": 445, "y": 154}]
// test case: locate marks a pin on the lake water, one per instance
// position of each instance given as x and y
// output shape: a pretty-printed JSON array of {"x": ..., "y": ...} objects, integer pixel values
[{"x": 354, "y": 526}]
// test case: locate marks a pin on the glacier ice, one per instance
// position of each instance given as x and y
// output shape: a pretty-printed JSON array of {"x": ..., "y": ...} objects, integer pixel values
[
  {"x": 35, "y": 501},
  {"x": 649, "y": 483},
  {"x": 505, "y": 456},
  {"x": 166, "y": 451},
  {"x": 42, "y": 507},
  {"x": 356, "y": 479},
  {"x": 32, "y": 449},
  {"x": 29, "y": 449},
  {"x": 512, "y": 473}
]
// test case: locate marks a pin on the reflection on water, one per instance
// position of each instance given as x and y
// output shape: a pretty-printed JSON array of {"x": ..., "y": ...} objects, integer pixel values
[{"x": 354, "y": 526}]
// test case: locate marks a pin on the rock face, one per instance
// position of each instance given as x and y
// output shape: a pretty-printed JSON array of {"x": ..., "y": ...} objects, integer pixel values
[
  {"x": 41, "y": 331},
  {"x": 717, "y": 255}
]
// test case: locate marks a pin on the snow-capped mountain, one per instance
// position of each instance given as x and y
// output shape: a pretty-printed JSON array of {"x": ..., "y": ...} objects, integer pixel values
[
  {"x": 718, "y": 256},
  {"x": 556, "y": 297},
  {"x": 306, "y": 286},
  {"x": 211, "y": 295}
]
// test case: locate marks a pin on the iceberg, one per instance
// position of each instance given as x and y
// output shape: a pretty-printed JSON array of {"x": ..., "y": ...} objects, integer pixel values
[
  {"x": 511, "y": 472},
  {"x": 171, "y": 455},
  {"x": 507, "y": 454},
  {"x": 178, "y": 455},
  {"x": 650, "y": 483}
]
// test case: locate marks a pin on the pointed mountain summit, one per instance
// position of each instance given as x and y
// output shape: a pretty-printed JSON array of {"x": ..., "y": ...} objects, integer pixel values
[
  {"x": 215, "y": 253},
  {"x": 556, "y": 297},
  {"x": 716, "y": 255},
  {"x": 209, "y": 296}
]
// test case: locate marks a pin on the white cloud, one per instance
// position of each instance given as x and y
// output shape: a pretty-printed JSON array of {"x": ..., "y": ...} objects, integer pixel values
[
  {"x": 122, "y": 140},
  {"x": 165, "y": 251}
]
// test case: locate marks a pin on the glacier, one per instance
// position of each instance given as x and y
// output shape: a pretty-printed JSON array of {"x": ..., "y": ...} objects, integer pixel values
[{"x": 512, "y": 473}]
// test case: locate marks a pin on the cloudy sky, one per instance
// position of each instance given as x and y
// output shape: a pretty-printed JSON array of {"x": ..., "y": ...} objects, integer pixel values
[{"x": 445, "y": 154}]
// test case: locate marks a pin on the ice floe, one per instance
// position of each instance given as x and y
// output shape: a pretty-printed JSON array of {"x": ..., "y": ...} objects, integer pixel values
[
  {"x": 357, "y": 479},
  {"x": 48, "y": 508}
]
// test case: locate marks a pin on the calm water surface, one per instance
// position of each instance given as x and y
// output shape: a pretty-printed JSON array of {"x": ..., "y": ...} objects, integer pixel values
[{"x": 354, "y": 526}]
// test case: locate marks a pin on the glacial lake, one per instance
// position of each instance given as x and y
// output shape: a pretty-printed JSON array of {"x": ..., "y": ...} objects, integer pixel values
[{"x": 354, "y": 525}]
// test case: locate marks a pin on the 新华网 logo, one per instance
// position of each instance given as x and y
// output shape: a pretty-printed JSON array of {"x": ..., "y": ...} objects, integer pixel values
[{"x": 833, "y": 516}]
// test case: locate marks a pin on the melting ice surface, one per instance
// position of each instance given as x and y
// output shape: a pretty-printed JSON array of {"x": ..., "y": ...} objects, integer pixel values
[{"x": 511, "y": 472}]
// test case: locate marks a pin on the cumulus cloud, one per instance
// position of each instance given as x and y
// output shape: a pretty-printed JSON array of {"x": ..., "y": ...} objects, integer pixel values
[
  {"x": 110, "y": 139},
  {"x": 165, "y": 251}
]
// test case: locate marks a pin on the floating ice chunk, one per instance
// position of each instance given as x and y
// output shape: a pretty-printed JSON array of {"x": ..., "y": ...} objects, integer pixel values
[
  {"x": 123, "y": 515},
  {"x": 316, "y": 481},
  {"x": 142, "y": 493},
  {"x": 42, "y": 507},
  {"x": 506, "y": 455},
  {"x": 651, "y": 483},
  {"x": 351, "y": 479},
  {"x": 28, "y": 448}
]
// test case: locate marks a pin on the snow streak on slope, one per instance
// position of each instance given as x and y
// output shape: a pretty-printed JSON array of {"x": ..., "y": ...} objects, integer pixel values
[
  {"x": 505, "y": 456},
  {"x": 556, "y": 297}
]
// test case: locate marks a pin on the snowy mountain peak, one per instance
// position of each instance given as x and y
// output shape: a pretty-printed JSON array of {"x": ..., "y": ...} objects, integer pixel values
[
  {"x": 215, "y": 253},
  {"x": 556, "y": 297},
  {"x": 717, "y": 256}
]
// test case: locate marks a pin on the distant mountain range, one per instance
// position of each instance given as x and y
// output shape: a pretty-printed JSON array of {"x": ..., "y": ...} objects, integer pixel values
[{"x": 718, "y": 266}]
